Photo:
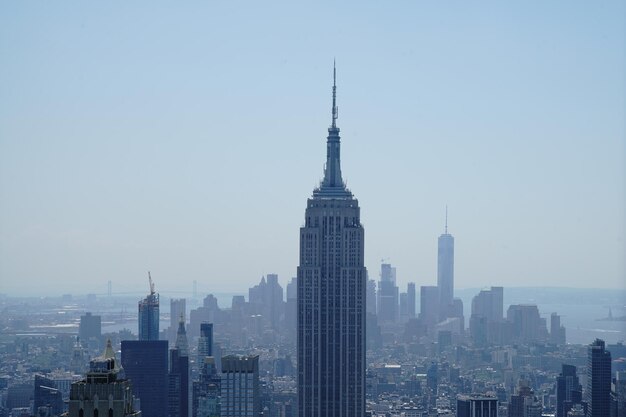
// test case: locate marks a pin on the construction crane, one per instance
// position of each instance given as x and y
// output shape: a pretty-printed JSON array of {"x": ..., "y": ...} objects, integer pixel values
[{"x": 152, "y": 292}]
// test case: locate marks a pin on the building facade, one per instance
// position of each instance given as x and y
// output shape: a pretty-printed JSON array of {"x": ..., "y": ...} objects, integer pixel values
[
  {"x": 598, "y": 393},
  {"x": 332, "y": 282},
  {"x": 240, "y": 387}
]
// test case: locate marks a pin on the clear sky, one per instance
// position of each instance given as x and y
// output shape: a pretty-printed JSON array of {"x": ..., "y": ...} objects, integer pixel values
[{"x": 185, "y": 137}]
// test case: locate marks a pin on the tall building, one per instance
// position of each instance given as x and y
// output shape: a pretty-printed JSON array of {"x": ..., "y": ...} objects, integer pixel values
[
  {"x": 527, "y": 325},
  {"x": 205, "y": 342},
  {"x": 568, "y": 390},
  {"x": 410, "y": 291},
  {"x": 557, "y": 332},
  {"x": 598, "y": 393},
  {"x": 178, "y": 308},
  {"x": 429, "y": 305},
  {"x": 291, "y": 310},
  {"x": 47, "y": 396},
  {"x": 487, "y": 309},
  {"x": 266, "y": 299},
  {"x": 149, "y": 315},
  {"x": 90, "y": 329},
  {"x": 206, "y": 390},
  {"x": 145, "y": 363},
  {"x": 445, "y": 272},
  {"x": 388, "y": 298},
  {"x": 476, "y": 406},
  {"x": 371, "y": 296},
  {"x": 178, "y": 378},
  {"x": 102, "y": 393},
  {"x": 240, "y": 395},
  {"x": 332, "y": 282}
]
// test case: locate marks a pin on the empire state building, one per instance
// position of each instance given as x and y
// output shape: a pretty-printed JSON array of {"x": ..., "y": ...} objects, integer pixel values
[{"x": 331, "y": 295}]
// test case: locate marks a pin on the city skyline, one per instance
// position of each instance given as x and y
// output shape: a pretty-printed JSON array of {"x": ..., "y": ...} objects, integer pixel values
[{"x": 115, "y": 161}]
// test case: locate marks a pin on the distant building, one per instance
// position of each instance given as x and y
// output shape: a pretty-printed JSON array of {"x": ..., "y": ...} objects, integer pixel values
[
  {"x": 527, "y": 325},
  {"x": 429, "y": 305},
  {"x": 445, "y": 271},
  {"x": 240, "y": 392},
  {"x": 205, "y": 342},
  {"x": 149, "y": 316},
  {"x": 145, "y": 363},
  {"x": 178, "y": 378},
  {"x": 90, "y": 329},
  {"x": 487, "y": 315},
  {"x": 388, "y": 297},
  {"x": 178, "y": 308},
  {"x": 557, "y": 332},
  {"x": 371, "y": 296},
  {"x": 598, "y": 393},
  {"x": 410, "y": 291},
  {"x": 476, "y": 406},
  {"x": 102, "y": 393},
  {"x": 206, "y": 391}
]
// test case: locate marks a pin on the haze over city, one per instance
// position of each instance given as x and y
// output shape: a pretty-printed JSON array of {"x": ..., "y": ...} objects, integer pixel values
[{"x": 185, "y": 139}]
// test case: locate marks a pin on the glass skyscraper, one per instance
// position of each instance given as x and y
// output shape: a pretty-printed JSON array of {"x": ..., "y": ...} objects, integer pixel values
[
  {"x": 598, "y": 393},
  {"x": 332, "y": 282},
  {"x": 149, "y": 315}
]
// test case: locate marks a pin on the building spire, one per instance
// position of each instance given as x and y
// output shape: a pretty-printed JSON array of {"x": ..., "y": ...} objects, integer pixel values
[
  {"x": 446, "y": 219},
  {"x": 335, "y": 109}
]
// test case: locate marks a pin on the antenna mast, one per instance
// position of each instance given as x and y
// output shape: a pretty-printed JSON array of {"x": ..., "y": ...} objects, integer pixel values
[{"x": 335, "y": 108}]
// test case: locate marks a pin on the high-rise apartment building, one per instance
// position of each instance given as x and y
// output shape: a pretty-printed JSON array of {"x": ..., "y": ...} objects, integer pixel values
[
  {"x": 445, "y": 272},
  {"x": 332, "y": 282},
  {"x": 149, "y": 315},
  {"x": 598, "y": 393},
  {"x": 240, "y": 395},
  {"x": 145, "y": 363}
]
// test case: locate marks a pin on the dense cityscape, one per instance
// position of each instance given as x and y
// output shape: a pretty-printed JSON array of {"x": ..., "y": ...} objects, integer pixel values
[{"x": 334, "y": 342}]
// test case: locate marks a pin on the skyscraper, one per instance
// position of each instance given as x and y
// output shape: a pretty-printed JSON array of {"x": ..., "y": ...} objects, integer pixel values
[
  {"x": 445, "y": 271},
  {"x": 145, "y": 363},
  {"x": 178, "y": 378},
  {"x": 240, "y": 387},
  {"x": 598, "y": 393},
  {"x": 149, "y": 315},
  {"x": 205, "y": 342},
  {"x": 568, "y": 390},
  {"x": 410, "y": 290},
  {"x": 102, "y": 393},
  {"x": 90, "y": 329},
  {"x": 476, "y": 406},
  {"x": 332, "y": 283},
  {"x": 387, "y": 294}
]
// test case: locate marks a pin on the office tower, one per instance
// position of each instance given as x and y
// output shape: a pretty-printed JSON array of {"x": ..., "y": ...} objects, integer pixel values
[
  {"x": 47, "y": 396},
  {"x": 429, "y": 305},
  {"x": 486, "y": 312},
  {"x": 206, "y": 391},
  {"x": 291, "y": 310},
  {"x": 445, "y": 271},
  {"x": 432, "y": 377},
  {"x": 178, "y": 309},
  {"x": 517, "y": 406},
  {"x": 90, "y": 329},
  {"x": 149, "y": 315},
  {"x": 205, "y": 341},
  {"x": 266, "y": 299},
  {"x": 568, "y": 390},
  {"x": 102, "y": 393},
  {"x": 404, "y": 306},
  {"x": 527, "y": 324},
  {"x": 332, "y": 282},
  {"x": 410, "y": 291},
  {"x": 145, "y": 363},
  {"x": 240, "y": 395},
  {"x": 387, "y": 294},
  {"x": 476, "y": 406},
  {"x": 178, "y": 378},
  {"x": 557, "y": 332},
  {"x": 371, "y": 296},
  {"x": 598, "y": 393}
]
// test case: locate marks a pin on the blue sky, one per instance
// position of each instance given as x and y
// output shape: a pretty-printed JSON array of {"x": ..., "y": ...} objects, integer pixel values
[{"x": 184, "y": 138}]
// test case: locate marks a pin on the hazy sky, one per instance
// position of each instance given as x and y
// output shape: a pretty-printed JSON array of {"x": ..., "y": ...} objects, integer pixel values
[{"x": 185, "y": 137}]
